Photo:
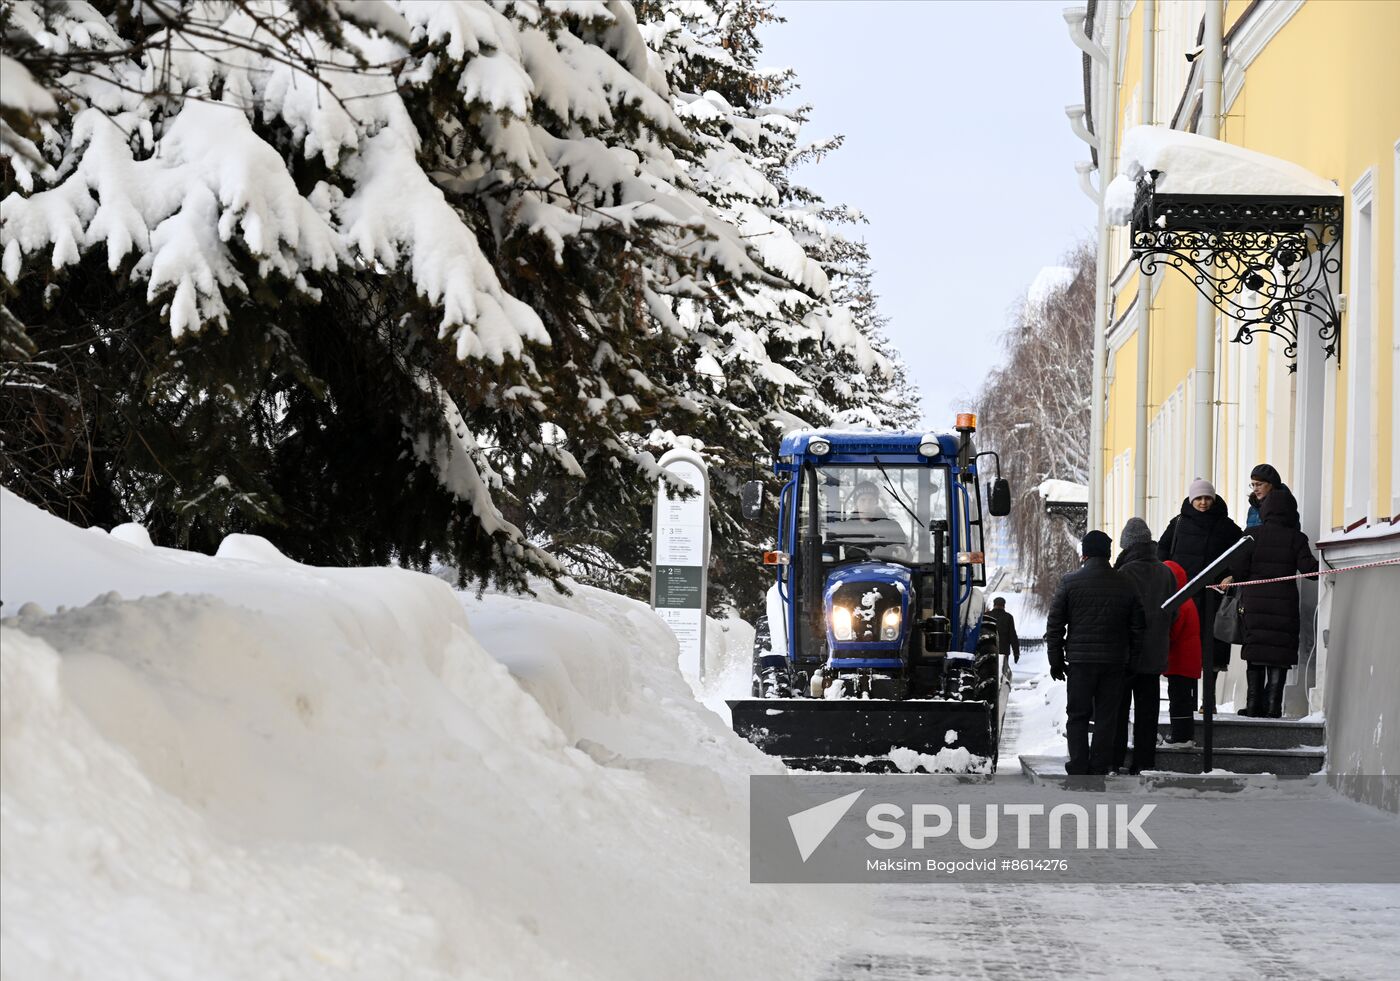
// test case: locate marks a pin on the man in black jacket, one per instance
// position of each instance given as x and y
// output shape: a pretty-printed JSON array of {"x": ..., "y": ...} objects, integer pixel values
[
  {"x": 1007, "y": 641},
  {"x": 1101, "y": 612},
  {"x": 1155, "y": 584}
]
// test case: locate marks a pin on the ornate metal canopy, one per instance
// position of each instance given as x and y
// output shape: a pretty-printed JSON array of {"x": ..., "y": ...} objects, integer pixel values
[
  {"x": 1264, "y": 261},
  {"x": 1076, "y": 515}
]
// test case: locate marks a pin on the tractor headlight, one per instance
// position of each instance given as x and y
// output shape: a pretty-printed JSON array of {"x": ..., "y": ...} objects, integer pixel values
[
  {"x": 818, "y": 447},
  {"x": 928, "y": 445},
  {"x": 889, "y": 624},
  {"x": 841, "y": 625}
]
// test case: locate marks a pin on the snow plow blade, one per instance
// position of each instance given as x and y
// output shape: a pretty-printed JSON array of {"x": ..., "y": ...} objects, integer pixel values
[{"x": 860, "y": 734}]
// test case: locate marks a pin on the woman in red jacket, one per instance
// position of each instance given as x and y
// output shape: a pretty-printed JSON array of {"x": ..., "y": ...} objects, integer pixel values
[{"x": 1183, "y": 664}]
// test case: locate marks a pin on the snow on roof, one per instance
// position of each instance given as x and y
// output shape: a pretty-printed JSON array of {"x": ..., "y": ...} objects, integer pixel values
[
  {"x": 1063, "y": 492},
  {"x": 1192, "y": 164},
  {"x": 1048, "y": 282}
]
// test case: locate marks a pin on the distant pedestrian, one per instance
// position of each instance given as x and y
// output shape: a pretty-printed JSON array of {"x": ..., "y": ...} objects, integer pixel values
[
  {"x": 1262, "y": 480},
  {"x": 1007, "y": 641},
  {"x": 1183, "y": 665},
  {"x": 1155, "y": 584},
  {"x": 1094, "y": 631},
  {"x": 1195, "y": 538},
  {"x": 1272, "y": 622}
]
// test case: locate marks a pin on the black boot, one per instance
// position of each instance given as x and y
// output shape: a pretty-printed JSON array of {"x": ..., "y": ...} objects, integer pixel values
[
  {"x": 1273, "y": 692},
  {"x": 1254, "y": 701}
]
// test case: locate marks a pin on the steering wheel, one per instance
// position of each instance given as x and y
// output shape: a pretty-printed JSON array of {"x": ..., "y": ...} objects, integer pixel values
[{"x": 892, "y": 553}]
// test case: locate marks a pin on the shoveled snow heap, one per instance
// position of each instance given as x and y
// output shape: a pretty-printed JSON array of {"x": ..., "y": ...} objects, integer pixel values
[
  {"x": 242, "y": 767},
  {"x": 1193, "y": 164}
]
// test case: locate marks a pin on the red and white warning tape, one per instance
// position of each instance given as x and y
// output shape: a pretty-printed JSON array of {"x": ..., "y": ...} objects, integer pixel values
[{"x": 1309, "y": 575}]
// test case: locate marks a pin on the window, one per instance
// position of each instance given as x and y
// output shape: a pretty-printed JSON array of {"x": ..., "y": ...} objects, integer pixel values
[{"x": 880, "y": 512}]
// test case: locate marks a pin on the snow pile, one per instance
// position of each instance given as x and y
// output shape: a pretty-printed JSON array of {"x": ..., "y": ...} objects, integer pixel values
[
  {"x": 242, "y": 767},
  {"x": 1189, "y": 163},
  {"x": 728, "y": 664},
  {"x": 952, "y": 760},
  {"x": 1063, "y": 492}
]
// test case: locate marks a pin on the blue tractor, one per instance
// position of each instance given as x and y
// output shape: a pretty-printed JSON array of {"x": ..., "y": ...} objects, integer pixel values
[{"x": 873, "y": 654}]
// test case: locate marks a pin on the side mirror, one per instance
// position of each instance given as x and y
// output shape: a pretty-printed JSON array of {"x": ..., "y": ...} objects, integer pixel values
[
  {"x": 751, "y": 500},
  {"x": 1000, "y": 503}
]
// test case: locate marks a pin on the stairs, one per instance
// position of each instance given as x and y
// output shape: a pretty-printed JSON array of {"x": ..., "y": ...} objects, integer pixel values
[
  {"x": 1241, "y": 745},
  {"x": 1284, "y": 747}
]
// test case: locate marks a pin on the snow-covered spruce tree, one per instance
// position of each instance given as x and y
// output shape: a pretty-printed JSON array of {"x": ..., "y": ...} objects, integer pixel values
[
  {"x": 1043, "y": 432},
  {"x": 763, "y": 355},
  {"x": 353, "y": 254}
]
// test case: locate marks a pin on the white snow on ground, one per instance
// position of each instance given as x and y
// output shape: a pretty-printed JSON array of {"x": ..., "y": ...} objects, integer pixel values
[
  {"x": 242, "y": 767},
  {"x": 1193, "y": 164}
]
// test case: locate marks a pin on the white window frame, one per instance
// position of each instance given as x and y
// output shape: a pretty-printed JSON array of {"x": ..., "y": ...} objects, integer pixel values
[
  {"x": 1395, "y": 343},
  {"x": 1358, "y": 354}
]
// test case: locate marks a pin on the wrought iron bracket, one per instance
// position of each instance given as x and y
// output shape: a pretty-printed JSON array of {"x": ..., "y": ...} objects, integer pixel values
[
  {"x": 1266, "y": 262},
  {"x": 1076, "y": 515}
]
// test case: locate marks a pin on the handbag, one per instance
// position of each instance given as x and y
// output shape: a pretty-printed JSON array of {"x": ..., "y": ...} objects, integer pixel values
[{"x": 1229, "y": 619}]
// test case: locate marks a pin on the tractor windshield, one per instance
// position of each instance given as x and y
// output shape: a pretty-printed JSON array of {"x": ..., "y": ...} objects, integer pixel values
[{"x": 880, "y": 512}]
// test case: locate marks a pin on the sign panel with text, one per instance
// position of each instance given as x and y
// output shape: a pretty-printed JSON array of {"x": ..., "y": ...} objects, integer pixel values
[{"x": 680, "y": 555}]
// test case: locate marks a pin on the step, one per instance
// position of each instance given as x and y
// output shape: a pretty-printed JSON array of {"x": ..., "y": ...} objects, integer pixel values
[
  {"x": 1282, "y": 762},
  {"x": 1231, "y": 731},
  {"x": 1051, "y": 770}
]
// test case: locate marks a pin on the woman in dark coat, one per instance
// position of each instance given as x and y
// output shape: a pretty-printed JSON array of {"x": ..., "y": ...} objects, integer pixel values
[
  {"x": 1194, "y": 539},
  {"x": 1271, "y": 617}
]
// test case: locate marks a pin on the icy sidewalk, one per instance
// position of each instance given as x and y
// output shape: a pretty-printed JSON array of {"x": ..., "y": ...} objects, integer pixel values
[
  {"x": 1187, "y": 932},
  {"x": 1024, "y": 932}
]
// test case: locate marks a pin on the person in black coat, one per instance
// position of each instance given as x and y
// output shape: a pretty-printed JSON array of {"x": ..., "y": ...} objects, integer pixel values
[
  {"x": 1155, "y": 584},
  {"x": 1094, "y": 633},
  {"x": 1271, "y": 617},
  {"x": 1262, "y": 479},
  {"x": 1008, "y": 643},
  {"x": 1196, "y": 537}
]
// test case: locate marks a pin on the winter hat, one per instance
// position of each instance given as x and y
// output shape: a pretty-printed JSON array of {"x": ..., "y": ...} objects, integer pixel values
[
  {"x": 1135, "y": 532},
  {"x": 1200, "y": 487},
  {"x": 1096, "y": 545},
  {"x": 1267, "y": 474}
]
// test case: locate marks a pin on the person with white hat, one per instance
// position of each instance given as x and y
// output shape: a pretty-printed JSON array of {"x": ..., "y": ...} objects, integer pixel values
[{"x": 1196, "y": 537}]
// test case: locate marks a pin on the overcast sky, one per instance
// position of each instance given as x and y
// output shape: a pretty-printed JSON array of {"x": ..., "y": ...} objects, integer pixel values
[{"x": 958, "y": 153}]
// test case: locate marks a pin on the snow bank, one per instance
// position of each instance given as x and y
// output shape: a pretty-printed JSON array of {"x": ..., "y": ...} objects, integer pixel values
[
  {"x": 242, "y": 767},
  {"x": 728, "y": 665},
  {"x": 1193, "y": 164}
]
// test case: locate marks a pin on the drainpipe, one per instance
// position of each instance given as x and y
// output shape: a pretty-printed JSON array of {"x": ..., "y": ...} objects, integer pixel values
[
  {"x": 1106, "y": 124},
  {"x": 1205, "y": 314},
  {"x": 1146, "y": 108}
]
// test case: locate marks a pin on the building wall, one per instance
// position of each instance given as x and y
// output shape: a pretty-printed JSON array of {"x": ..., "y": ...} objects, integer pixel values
[
  {"x": 1321, "y": 88},
  {"x": 1363, "y": 679}
]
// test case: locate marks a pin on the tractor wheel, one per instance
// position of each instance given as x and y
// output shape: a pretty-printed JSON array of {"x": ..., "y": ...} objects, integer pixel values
[{"x": 770, "y": 674}]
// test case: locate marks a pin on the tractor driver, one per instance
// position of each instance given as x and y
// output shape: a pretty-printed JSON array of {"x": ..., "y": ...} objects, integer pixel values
[
  {"x": 865, "y": 503},
  {"x": 869, "y": 526}
]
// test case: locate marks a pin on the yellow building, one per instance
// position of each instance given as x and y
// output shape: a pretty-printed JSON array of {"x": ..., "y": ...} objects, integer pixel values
[{"x": 1314, "y": 85}]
